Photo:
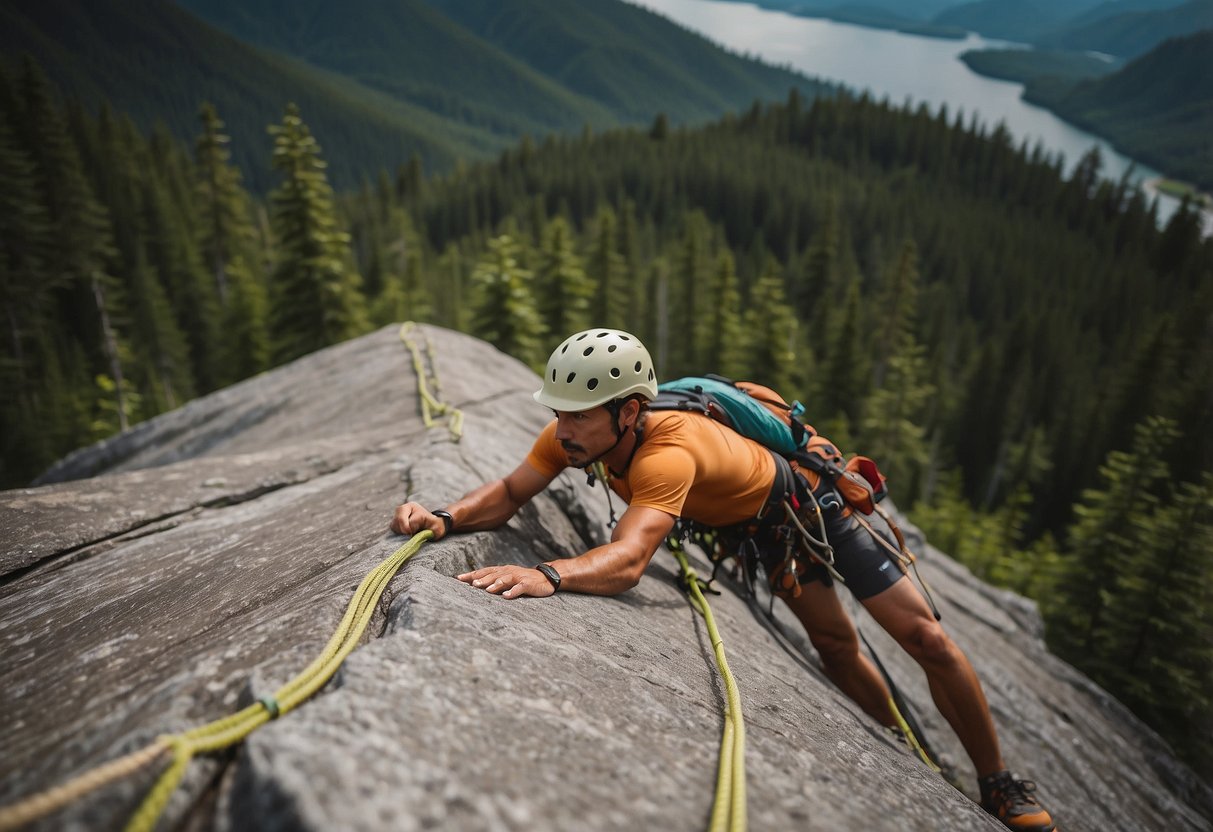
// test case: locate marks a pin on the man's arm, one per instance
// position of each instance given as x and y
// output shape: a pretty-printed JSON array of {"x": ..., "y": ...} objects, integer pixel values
[
  {"x": 604, "y": 570},
  {"x": 485, "y": 507}
]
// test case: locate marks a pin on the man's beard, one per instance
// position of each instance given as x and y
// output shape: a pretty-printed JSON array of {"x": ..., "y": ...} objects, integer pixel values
[{"x": 571, "y": 448}]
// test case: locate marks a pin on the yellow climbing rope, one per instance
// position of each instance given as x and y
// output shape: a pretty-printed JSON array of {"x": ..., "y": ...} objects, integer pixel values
[
  {"x": 431, "y": 405},
  {"x": 230, "y": 730},
  {"x": 729, "y": 807}
]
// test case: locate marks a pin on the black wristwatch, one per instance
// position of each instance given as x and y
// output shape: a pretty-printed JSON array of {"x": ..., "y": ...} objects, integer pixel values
[
  {"x": 551, "y": 574},
  {"x": 447, "y": 520}
]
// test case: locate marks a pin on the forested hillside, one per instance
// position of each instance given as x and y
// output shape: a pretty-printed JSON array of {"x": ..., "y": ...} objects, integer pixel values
[
  {"x": 1029, "y": 357},
  {"x": 381, "y": 81},
  {"x": 1158, "y": 109},
  {"x": 1131, "y": 33}
]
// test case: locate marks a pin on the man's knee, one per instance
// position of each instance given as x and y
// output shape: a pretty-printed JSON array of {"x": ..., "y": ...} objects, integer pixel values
[
  {"x": 929, "y": 644},
  {"x": 836, "y": 649}
]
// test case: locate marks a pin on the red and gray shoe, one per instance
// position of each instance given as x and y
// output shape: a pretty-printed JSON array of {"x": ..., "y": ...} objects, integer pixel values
[{"x": 1013, "y": 803}]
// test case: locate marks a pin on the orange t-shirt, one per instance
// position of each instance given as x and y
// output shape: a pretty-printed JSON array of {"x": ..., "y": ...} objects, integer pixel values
[{"x": 688, "y": 466}]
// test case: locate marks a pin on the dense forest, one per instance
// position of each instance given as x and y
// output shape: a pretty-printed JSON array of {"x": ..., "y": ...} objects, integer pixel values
[{"x": 1029, "y": 356}]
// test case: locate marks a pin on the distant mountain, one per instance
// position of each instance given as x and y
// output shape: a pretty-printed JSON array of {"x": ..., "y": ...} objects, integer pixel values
[
  {"x": 379, "y": 81},
  {"x": 157, "y": 62},
  {"x": 1112, "y": 8},
  {"x": 412, "y": 52},
  {"x": 1158, "y": 109},
  {"x": 919, "y": 10},
  {"x": 1017, "y": 20},
  {"x": 1133, "y": 33},
  {"x": 633, "y": 61}
]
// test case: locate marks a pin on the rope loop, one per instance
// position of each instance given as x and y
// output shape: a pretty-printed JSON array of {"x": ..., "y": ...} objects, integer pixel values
[{"x": 427, "y": 375}]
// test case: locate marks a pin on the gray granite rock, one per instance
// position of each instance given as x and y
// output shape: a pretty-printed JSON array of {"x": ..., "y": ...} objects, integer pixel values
[{"x": 210, "y": 553}]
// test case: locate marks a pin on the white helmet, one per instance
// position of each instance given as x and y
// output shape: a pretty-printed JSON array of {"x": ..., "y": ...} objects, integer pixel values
[{"x": 594, "y": 367}]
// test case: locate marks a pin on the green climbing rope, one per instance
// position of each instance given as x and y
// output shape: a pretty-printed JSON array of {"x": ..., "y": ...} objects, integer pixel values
[
  {"x": 432, "y": 406},
  {"x": 230, "y": 730},
  {"x": 729, "y": 807}
]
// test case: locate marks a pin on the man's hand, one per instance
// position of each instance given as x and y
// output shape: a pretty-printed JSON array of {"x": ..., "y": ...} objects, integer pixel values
[
  {"x": 510, "y": 581},
  {"x": 411, "y": 518}
]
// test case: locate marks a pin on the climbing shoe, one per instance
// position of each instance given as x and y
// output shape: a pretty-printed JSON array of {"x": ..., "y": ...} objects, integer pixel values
[{"x": 1012, "y": 802}]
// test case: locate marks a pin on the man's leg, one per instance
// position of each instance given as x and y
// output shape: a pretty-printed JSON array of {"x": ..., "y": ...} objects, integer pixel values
[
  {"x": 904, "y": 614},
  {"x": 834, "y": 638}
]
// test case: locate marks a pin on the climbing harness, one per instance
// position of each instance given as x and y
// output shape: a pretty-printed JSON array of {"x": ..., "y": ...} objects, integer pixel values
[
  {"x": 230, "y": 730},
  {"x": 729, "y": 807},
  {"x": 431, "y": 405}
]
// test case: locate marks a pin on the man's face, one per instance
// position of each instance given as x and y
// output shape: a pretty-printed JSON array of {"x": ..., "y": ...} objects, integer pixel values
[{"x": 585, "y": 434}]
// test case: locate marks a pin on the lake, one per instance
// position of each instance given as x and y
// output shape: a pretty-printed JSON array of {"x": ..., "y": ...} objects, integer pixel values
[{"x": 902, "y": 68}]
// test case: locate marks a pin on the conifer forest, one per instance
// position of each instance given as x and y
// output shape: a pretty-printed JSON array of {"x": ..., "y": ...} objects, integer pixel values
[{"x": 1027, "y": 353}]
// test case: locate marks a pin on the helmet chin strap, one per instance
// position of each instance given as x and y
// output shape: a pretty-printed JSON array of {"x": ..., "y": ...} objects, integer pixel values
[{"x": 620, "y": 432}]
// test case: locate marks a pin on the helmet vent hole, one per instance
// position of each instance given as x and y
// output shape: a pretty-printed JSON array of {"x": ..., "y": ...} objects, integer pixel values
[
  {"x": 624, "y": 338},
  {"x": 564, "y": 349},
  {"x": 583, "y": 336},
  {"x": 602, "y": 334},
  {"x": 592, "y": 383},
  {"x": 612, "y": 347},
  {"x": 614, "y": 372},
  {"x": 650, "y": 375},
  {"x": 587, "y": 350},
  {"x": 569, "y": 380},
  {"x": 637, "y": 367},
  {"x": 553, "y": 374}
]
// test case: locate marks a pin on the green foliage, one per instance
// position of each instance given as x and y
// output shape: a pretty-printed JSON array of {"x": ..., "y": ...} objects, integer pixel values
[
  {"x": 504, "y": 312},
  {"x": 770, "y": 333},
  {"x": 725, "y": 338},
  {"x": 316, "y": 296},
  {"x": 563, "y": 291},
  {"x": 605, "y": 270},
  {"x": 1023, "y": 65},
  {"x": 1131, "y": 603}
]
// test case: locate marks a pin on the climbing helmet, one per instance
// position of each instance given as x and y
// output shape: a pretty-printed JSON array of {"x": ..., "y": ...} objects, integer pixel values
[{"x": 594, "y": 367}]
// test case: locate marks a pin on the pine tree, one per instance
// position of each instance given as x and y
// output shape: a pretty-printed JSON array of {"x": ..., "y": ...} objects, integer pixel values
[
  {"x": 245, "y": 350},
  {"x": 724, "y": 336},
  {"x": 81, "y": 234},
  {"x": 24, "y": 291},
  {"x": 842, "y": 381},
  {"x": 1155, "y": 649},
  {"x": 227, "y": 230},
  {"x": 563, "y": 290},
  {"x": 316, "y": 297},
  {"x": 504, "y": 313},
  {"x": 688, "y": 277},
  {"x": 769, "y": 333},
  {"x": 155, "y": 335},
  {"x": 892, "y": 424},
  {"x": 1106, "y": 536},
  {"x": 896, "y": 309},
  {"x": 404, "y": 295},
  {"x": 605, "y": 268}
]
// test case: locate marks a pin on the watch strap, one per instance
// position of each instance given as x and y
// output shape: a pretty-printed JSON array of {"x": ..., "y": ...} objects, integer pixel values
[
  {"x": 551, "y": 574},
  {"x": 447, "y": 520}
]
